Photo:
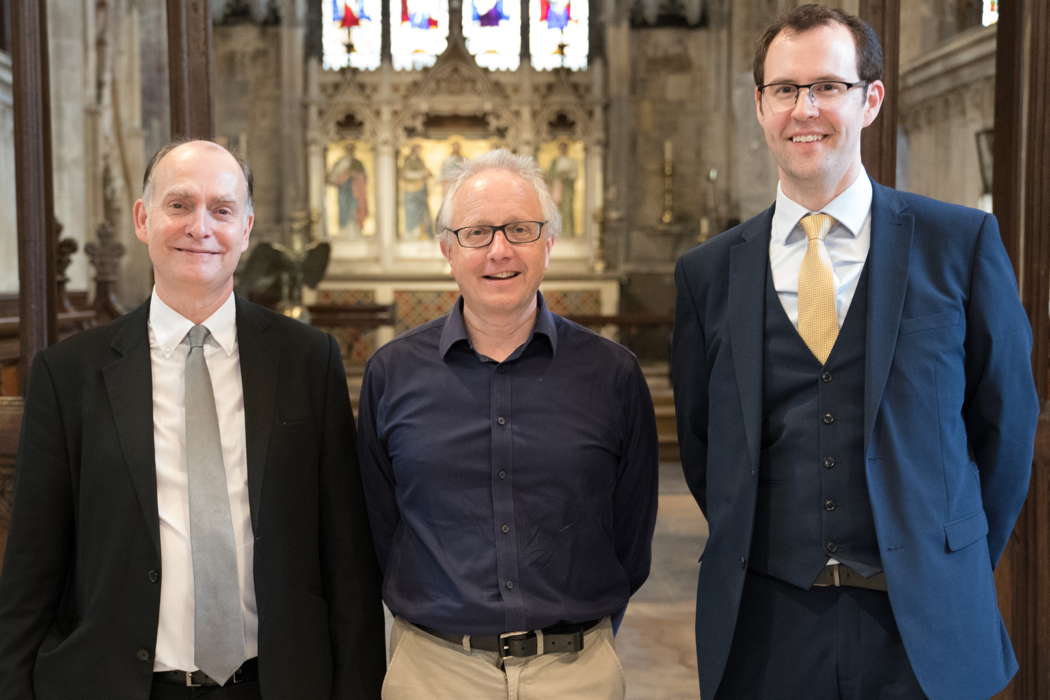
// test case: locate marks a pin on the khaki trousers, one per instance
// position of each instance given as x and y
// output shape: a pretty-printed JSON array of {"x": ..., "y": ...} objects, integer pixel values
[{"x": 423, "y": 666}]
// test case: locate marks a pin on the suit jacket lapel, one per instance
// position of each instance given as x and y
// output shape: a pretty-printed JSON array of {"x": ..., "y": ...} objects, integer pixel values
[
  {"x": 891, "y": 236},
  {"x": 748, "y": 262},
  {"x": 260, "y": 353},
  {"x": 129, "y": 385}
]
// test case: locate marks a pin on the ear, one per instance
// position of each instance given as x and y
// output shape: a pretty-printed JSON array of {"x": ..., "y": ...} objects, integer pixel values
[
  {"x": 246, "y": 237},
  {"x": 873, "y": 101},
  {"x": 139, "y": 216},
  {"x": 548, "y": 243},
  {"x": 758, "y": 105},
  {"x": 443, "y": 244}
]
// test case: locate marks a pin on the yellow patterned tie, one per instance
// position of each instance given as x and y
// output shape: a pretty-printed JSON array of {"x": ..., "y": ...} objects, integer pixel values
[{"x": 818, "y": 324}]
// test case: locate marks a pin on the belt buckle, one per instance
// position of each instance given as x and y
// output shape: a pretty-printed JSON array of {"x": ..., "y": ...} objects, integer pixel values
[
  {"x": 508, "y": 640},
  {"x": 189, "y": 680}
]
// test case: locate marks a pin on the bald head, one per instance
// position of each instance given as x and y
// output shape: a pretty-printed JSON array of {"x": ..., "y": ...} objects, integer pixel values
[{"x": 246, "y": 171}]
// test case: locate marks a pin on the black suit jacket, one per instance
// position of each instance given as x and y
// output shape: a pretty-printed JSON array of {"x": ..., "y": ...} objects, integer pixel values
[{"x": 80, "y": 592}]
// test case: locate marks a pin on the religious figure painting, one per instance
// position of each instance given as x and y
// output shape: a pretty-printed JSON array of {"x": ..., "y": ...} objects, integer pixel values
[
  {"x": 561, "y": 162},
  {"x": 350, "y": 193},
  {"x": 424, "y": 166}
]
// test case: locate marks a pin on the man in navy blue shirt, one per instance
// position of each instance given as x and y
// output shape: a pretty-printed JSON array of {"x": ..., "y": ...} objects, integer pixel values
[{"x": 509, "y": 459}]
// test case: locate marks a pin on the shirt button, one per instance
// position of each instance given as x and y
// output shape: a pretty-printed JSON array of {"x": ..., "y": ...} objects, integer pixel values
[
  {"x": 502, "y": 473},
  {"x": 828, "y": 419},
  {"x": 830, "y": 505},
  {"x": 829, "y": 462},
  {"x": 825, "y": 377},
  {"x": 142, "y": 654},
  {"x": 831, "y": 547},
  {"x": 153, "y": 575},
  {"x": 501, "y": 420},
  {"x": 509, "y": 585},
  {"x": 504, "y": 528}
]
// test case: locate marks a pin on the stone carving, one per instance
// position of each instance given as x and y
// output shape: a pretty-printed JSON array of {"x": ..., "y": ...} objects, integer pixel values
[{"x": 105, "y": 254}]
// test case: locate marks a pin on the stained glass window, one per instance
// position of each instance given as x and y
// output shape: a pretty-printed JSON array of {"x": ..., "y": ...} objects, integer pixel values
[
  {"x": 352, "y": 33},
  {"x": 418, "y": 32},
  {"x": 558, "y": 34},
  {"x": 990, "y": 15},
  {"x": 492, "y": 29}
]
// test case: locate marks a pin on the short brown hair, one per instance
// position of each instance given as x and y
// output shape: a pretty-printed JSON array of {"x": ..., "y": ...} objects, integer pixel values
[
  {"x": 147, "y": 177},
  {"x": 803, "y": 17}
]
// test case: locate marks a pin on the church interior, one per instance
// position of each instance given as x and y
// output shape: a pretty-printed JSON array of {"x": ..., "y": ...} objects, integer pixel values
[{"x": 640, "y": 113}]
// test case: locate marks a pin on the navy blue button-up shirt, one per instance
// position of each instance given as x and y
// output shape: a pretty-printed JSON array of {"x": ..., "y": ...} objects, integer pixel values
[{"x": 510, "y": 495}]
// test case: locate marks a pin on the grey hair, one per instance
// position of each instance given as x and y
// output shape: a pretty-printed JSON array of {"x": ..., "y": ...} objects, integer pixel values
[{"x": 524, "y": 167}]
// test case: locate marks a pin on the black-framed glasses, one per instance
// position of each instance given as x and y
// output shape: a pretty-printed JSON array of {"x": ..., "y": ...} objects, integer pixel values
[
  {"x": 516, "y": 232},
  {"x": 784, "y": 96}
]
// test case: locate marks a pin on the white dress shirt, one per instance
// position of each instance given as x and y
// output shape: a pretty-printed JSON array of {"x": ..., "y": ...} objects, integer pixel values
[
  {"x": 167, "y": 330},
  {"x": 846, "y": 244}
]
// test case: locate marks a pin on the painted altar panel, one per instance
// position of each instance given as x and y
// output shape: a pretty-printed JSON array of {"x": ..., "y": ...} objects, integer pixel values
[
  {"x": 562, "y": 165},
  {"x": 423, "y": 167},
  {"x": 349, "y": 202}
]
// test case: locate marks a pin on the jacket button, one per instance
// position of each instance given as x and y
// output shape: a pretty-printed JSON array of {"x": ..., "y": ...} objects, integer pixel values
[
  {"x": 830, "y": 505},
  {"x": 825, "y": 377},
  {"x": 831, "y": 547},
  {"x": 828, "y": 419},
  {"x": 501, "y": 420},
  {"x": 153, "y": 575},
  {"x": 142, "y": 654},
  {"x": 504, "y": 528},
  {"x": 829, "y": 462}
]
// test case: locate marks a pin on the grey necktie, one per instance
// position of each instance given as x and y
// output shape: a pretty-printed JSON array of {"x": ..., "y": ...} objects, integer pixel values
[{"x": 217, "y": 621}]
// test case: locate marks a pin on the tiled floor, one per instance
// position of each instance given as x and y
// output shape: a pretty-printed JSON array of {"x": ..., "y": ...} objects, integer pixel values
[{"x": 655, "y": 642}]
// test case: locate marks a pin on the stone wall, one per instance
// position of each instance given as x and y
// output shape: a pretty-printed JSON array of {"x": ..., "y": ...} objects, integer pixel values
[
  {"x": 8, "y": 214},
  {"x": 947, "y": 97}
]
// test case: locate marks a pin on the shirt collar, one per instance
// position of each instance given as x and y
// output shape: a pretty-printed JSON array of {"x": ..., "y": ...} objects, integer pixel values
[
  {"x": 850, "y": 209},
  {"x": 169, "y": 327},
  {"x": 455, "y": 328}
]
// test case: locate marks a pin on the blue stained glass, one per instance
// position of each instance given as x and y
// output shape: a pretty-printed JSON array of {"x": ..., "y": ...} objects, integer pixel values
[{"x": 488, "y": 13}]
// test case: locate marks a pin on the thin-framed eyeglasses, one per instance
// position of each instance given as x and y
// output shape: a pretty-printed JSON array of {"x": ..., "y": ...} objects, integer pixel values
[
  {"x": 784, "y": 96},
  {"x": 516, "y": 232}
]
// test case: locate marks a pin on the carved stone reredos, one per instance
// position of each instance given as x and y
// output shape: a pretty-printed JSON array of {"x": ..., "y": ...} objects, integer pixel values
[{"x": 393, "y": 106}]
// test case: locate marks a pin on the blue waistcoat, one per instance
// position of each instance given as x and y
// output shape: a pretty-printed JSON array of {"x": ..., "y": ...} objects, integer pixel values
[{"x": 812, "y": 496}]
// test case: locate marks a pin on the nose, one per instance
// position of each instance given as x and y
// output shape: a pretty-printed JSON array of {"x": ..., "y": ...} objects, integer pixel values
[
  {"x": 197, "y": 223},
  {"x": 805, "y": 106},
  {"x": 500, "y": 248}
]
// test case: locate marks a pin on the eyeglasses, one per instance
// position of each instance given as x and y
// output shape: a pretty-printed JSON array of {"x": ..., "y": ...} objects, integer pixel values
[
  {"x": 516, "y": 232},
  {"x": 784, "y": 96}
]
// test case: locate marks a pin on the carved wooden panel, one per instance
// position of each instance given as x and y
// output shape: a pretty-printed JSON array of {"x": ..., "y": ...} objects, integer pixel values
[{"x": 10, "y": 426}]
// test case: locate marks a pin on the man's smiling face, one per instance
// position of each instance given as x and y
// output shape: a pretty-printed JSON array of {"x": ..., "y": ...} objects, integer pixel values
[
  {"x": 816, "y": 147},
  {"x": 501, "y": 279},
  {"x": 195, "y": 220}
]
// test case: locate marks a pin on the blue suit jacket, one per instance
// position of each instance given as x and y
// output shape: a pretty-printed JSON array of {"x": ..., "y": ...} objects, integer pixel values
[{"x": 950, "y": 411}]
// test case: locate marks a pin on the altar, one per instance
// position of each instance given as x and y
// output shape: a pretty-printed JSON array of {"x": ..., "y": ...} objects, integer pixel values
[{"x": 381, "y": 138}]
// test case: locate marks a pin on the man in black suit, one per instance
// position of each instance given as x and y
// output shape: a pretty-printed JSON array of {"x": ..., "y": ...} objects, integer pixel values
[{"x": 126, "y": 575}]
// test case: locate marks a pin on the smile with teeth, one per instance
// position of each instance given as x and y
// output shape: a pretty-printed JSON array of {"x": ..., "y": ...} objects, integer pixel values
[
  {"x": 807, "y": 138},
  {"x": 502, "y": 275}
]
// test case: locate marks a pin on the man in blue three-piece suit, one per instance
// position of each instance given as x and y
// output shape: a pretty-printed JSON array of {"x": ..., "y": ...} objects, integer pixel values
[{"x": 856, "y": 409}]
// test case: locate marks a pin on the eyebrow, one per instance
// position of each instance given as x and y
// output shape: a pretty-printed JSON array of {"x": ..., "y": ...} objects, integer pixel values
[
  {"x": 181, "y": 193},
  {"x": 824, "y": 78}
]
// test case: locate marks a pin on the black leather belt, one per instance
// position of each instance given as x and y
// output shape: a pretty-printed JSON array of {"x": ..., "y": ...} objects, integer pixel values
[
  {"x": 556, "y": 639},
  {"x": 842, "y": 575},
  {"x": 249, "y": 671}
]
